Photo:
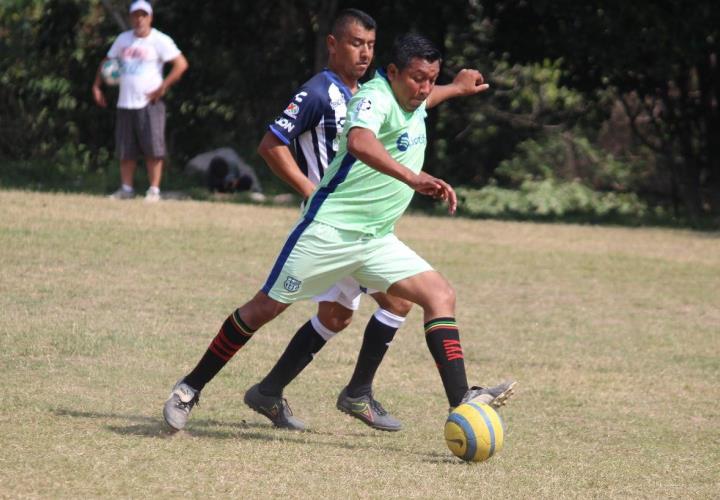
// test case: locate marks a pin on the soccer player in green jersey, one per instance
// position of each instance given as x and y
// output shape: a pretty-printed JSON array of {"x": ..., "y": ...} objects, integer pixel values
[{"x": 347, "y": 229}]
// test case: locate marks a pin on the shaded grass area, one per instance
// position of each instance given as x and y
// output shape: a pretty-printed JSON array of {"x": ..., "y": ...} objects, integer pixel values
[
  {"x": 536, "y": 202},
  {"x": 611, "y": 332},
  {"x": 103, "y": 178}
]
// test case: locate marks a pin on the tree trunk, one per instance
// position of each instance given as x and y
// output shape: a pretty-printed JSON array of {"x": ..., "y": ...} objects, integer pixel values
[
  {"x": 690, "y": 183},
  {"x": 325, "y": 16},
  {"x": 117, "y": 15},
  {"x": 709, "y": 81}
]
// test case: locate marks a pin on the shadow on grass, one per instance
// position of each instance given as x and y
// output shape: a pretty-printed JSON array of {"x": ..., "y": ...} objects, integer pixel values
[{"x": 152, "y": 427}]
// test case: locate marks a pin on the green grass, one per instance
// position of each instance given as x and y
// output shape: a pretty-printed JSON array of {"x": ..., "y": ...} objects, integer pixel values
[{"x": 611, "y": 332}]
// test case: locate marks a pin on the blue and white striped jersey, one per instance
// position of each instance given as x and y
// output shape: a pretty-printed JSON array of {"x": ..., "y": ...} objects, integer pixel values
[{"x": 312, "y": 122}]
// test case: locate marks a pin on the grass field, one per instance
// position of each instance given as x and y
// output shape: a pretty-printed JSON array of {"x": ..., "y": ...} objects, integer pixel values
[{"x": 613, "y": 334}]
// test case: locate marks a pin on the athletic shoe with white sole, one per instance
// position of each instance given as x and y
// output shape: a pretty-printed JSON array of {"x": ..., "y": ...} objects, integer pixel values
[
  {"x": 275, "y": 408},
  {"x": 122, "y": 194},
  {"x": 369, "y": 411},
  {"x": 179, "y": 405},
  {"x": 152, "y": 196},
  {"x": 495, "y": 396}
]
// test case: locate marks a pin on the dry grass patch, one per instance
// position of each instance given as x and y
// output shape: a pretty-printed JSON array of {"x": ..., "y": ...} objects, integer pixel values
[{"x": 612, "y": 333}]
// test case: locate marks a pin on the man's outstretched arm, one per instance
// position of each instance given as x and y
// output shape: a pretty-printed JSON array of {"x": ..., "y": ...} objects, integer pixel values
[{"x": 466, "y": 82}]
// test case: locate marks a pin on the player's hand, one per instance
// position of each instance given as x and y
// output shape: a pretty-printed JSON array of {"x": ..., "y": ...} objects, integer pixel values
[
  {"x": 437, "y": 188},
  {"x": 469, "y": 82},
  {"x": 156, "y": 94},
  {"x": 99, "y": 97}
]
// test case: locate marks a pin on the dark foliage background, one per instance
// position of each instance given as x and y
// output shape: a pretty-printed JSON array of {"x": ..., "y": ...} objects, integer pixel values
[{"x": 598, "y": 110}]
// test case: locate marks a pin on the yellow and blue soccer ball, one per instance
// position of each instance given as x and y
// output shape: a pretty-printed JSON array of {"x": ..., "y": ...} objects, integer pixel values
[{"x": 474, "y": 432}]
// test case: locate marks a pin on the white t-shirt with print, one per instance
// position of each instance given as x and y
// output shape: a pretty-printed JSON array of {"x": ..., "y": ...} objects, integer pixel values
[{"x": 141, "y": 63}]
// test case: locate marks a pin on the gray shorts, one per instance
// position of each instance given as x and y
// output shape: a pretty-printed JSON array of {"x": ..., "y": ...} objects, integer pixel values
[{"x": 140, "y": 132}]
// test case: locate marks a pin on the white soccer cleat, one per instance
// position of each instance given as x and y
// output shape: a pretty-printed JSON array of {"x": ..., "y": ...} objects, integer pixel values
[
  {"x": 495, "y": 396},
  {"x": 179, "y": 405}
]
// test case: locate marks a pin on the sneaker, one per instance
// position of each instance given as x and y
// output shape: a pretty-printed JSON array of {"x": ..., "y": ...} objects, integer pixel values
[
  {"x": 122, "y": 194},
  {"x": 178, "y": 406},
  {"x": 495, "y": 396},
  {"x": 152, "y": 196},
  {"x": 368, "y": 410},
  {"x": 257, "y": 197},
  {"x": 275, "y": 408}
]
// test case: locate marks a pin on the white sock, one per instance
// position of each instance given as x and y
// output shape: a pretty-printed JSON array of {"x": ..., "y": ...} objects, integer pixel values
[
  {"x": 154, "y": 190},
  {"x": 321, "y": 329},
  {"x": 387, "y": 318},
  {"x": 127, "y": 189}
]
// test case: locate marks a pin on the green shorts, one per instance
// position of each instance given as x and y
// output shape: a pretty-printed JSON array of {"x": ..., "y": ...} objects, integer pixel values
[{"x": 316, "y": 256}]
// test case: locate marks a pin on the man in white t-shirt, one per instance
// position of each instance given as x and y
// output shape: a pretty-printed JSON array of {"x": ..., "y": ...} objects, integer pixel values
[{"x": 140, "y": 127}]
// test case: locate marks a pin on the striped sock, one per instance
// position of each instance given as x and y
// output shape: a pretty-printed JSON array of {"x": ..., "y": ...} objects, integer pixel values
[
  {"x": 233, "y": 334},
  {"x": 443, "y": 340}
]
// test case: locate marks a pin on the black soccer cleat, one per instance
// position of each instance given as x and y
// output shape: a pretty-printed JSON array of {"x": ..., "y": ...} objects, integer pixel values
[
  {"x": 369, "y": 411},
  {"x": 274, "y": 408}
]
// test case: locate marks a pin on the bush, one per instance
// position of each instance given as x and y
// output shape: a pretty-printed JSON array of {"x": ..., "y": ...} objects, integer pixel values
[
  {"x": 567, "y": 157},
  {"x": 552, "y": 200}
]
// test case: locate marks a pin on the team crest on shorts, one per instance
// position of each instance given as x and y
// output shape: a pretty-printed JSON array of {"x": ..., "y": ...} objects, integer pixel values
[{"x": 291, "y": 284}]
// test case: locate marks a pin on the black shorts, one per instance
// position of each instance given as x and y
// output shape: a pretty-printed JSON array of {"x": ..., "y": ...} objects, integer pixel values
[{"x": 140, "y": 132}]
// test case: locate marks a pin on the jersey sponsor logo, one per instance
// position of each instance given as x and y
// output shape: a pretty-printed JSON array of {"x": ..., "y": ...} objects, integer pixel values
[
  {"x": 292, "y": 110},
  {"x": 285, "y": 124},
  {"x": 291, "y": 284},
  {"x": 405, "y": 141}
]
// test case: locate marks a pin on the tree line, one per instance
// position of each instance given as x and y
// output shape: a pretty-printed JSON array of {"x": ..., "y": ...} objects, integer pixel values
[{"x": 609, "y": 100}]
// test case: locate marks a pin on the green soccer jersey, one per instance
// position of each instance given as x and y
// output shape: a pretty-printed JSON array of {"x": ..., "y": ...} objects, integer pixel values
[{"x": 356, "y": 197}]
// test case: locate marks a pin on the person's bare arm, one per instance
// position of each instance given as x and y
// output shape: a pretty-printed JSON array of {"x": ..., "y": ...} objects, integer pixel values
[
  {"x": 98, "y": 95},
  {"x": 179, "y": 66},
  {"x": 364, "y": 146},
  {"x": 466, "y": 82},
  {"x": 282, "y": 162}
]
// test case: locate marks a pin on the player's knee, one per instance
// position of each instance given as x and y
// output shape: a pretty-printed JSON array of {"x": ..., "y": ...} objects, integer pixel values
[
  {"x": 445, "y": 296},
  {"x": 334, "y": 317},
  {"x": 399, "y": 307},
  {"x": 392, "y": 304},
  {"x": 260, "y": 310},
  {"x": 335, "y": 320}
]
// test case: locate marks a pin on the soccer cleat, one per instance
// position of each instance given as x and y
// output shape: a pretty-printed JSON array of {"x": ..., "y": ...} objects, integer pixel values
[
  {"x": 152, "y": 196},
  {"x": 178, "y": 406},
  {"x": 368, "y": 410},
  {"x": 495, "y": 396},
  {"x": 122, "y": 194},
  {"x": 275, "y": 408}
]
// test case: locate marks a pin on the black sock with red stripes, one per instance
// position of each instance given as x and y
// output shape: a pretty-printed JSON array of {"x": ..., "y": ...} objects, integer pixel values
[
  {"x": 233, "y": 335},
  {"x": 443, "y": 340}
]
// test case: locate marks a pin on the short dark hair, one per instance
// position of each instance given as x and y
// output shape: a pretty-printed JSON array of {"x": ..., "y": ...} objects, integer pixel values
[
  {"x": 348, "y": 16},
  {"x": 410, "y": 46}
]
